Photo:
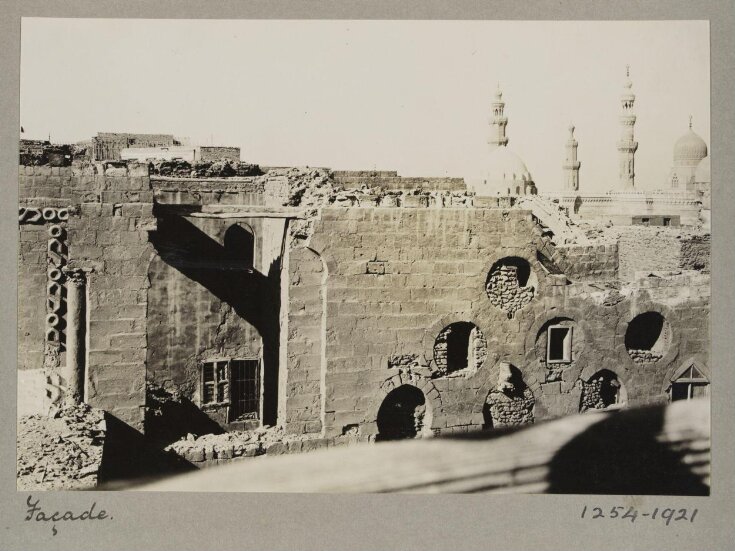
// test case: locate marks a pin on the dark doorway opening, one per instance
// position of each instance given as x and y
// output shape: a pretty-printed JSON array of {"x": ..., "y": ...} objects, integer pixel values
[{"x": 402, "y": 414}]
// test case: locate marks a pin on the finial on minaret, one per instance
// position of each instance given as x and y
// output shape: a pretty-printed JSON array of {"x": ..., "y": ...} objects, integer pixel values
[
  {"x": 627, "y": 71},
  {"x": 571, "y": 164},
  {"x": 690, "y": 121}
]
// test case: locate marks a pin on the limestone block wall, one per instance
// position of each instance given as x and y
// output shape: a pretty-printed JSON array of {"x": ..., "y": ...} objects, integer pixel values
[
  {"x": 588, "y": 262},
  {"x": 96, "y": 220},
  {"x": 397, "y": 277},
  {"x": 210, "y": 298},
  {"x": 306, "y": 333}
]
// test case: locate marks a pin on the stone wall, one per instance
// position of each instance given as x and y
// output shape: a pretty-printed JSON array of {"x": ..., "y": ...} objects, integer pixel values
[
  {"x": 211, "y": 153},
  {"x": 598, "y": 262},
  {"x": 661, "y": 249},
  {"x": 206, "y": 302},
  {"x": 108, "y": 212},
  {"x": 303, "y": 377},
  {"x": 433, "y": 268}
]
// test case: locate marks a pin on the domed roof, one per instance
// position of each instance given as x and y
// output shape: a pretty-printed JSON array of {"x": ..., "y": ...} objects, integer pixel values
[
  {"x": 690, "y": 149},
  {"x": 702, "y": 174},
  {"x": 504, "y": 165},
  {"x": 504, "y": 172}
]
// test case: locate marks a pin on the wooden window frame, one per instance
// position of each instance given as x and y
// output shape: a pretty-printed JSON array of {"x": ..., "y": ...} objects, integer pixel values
[{"x": 566, "y": 346}]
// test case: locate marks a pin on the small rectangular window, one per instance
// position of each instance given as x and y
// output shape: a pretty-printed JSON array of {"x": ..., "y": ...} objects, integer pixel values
[
  {"x": 234, "y": 383},
  {"x": 559, "y": 344},
  {"x": 667, "y": 221},
  {"x": 645, "y": 221}
]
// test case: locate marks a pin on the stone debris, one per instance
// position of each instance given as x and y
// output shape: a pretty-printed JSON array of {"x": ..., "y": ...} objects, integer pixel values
[
  {"x": 598, "y": 393},
  {"x": 62, "y": 450},
  {"x": 644, "y": 356},
  {"x": 505, "y": 292},
  {"x": 510, "y": 407},
  {"x": 203, "y": 169},
  {"x": 221, "y": 448}
]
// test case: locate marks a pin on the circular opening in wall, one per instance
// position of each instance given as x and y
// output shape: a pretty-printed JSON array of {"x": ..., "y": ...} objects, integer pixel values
[
  {"x": 459, "y": 346},
  {"x": 404, "y": 413},
  {"x": 511, "y": 284},
  {"x": 648, "y": 337}
]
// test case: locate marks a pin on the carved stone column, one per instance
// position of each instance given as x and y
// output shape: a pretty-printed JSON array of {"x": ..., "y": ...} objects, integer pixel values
[{"x": 74, "y": 372}]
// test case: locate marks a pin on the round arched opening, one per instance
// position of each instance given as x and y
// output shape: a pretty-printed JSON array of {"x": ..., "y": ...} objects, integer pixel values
[
  {"x": 239, "y": 244},
  {"x": 460, "y": 345},
  {"x": 648, "y": 337},
  {"x": 404, "y": 413},
  {"x": 602, "y": 390},
  {"x": 511, "y": 284}
]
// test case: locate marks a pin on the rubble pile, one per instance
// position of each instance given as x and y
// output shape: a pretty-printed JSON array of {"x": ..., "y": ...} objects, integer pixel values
[
  {"x": 511, "y": 408},
  {"x": 644, "y": 356},
  {"x": 505, "y": 292},
  {"x": 61, "y": 451},
  {"x": 230, "y": 445},
  {"x": 203, "y": 169}
]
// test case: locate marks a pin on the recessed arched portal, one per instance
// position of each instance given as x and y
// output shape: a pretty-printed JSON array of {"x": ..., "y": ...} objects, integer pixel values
[{"x": 404, "y": 413}]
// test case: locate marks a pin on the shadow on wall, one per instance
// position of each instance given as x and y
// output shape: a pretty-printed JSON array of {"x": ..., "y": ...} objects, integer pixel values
[
  {"x": 228, "y": 274},
  {"x": 126, "y": 456},
  {"x": 622, "y": 454},
  {"x": 170, "y": 417}
]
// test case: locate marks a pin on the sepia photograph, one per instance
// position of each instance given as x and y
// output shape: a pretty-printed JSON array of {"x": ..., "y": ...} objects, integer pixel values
[{"x": 365, "y": 256}]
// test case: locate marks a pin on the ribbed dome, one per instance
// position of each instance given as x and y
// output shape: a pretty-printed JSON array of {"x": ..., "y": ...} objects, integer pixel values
[
  {"x": 702, "y": 174},
  {"x": 690, "y": 149}
]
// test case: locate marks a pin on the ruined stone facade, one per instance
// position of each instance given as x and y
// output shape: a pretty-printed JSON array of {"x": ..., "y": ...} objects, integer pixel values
[{"x": 333, "y": 305}]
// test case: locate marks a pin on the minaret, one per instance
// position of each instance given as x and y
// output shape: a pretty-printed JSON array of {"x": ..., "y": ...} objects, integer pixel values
[
  {"x": 498, "y": 122},
  {"x": 627, "y": 145},
  {"x": 571, "y": 164}
]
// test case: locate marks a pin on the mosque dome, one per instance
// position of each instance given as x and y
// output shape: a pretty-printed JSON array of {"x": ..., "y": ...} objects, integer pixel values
[
  {"x": 503, "y": 164},
  {"x": 690, "y": 149},
  {"x": 702, "y": 174},
  {"x": 504, "y": 173}
]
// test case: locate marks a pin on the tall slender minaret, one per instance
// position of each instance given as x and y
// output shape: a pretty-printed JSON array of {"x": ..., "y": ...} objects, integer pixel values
[
  {"x": 627, "y": 145},
  {"x": 498, "y": 122},
  {"x": 571, "y": 164}
]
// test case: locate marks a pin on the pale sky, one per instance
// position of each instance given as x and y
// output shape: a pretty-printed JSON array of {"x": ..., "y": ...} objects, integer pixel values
[{"x": 411, "y": 96}]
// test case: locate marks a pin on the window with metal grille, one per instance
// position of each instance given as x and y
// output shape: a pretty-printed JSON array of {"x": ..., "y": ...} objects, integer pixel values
[
  {"x": 234, "y": 383},
  {"x": 245, "y": 389}
]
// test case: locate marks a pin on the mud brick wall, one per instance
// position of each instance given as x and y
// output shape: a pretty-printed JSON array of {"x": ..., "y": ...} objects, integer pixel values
[{"x": 396, "y": 277}]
